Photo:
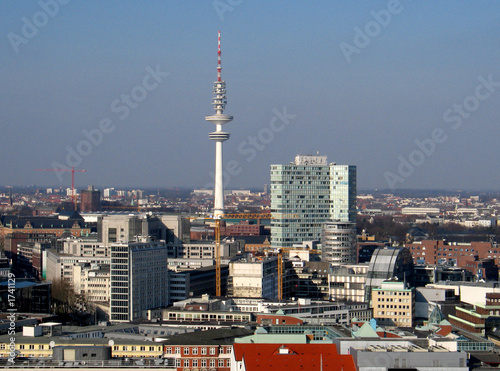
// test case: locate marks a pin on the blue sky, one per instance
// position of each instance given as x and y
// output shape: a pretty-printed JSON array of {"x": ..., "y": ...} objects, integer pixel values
[{"x": 405, "y": 106}]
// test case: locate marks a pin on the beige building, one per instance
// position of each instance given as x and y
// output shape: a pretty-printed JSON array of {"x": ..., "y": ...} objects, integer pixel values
[
  {"x": 394, "y": 304},
  {"x": 347, "y": 282},
  {"x": 92, "y": 281}
]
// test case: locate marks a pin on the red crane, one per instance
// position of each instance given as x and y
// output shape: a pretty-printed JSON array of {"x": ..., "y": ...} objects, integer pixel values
[{"x": 72, "y": 170}]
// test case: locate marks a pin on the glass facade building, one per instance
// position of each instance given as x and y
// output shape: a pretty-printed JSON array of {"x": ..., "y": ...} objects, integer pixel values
[
  {"x": 306, "y": 193},
  {"x": 338, "y": 243},
  {"x": 388, "y": 263}
]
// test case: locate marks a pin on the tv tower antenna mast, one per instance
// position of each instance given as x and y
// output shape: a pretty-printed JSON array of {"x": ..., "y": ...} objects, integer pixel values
[{"x": 219, "y": 102}]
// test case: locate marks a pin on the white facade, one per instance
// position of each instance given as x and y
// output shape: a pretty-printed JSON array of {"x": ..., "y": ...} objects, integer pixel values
[
  {"x": 92, "y": 281},
  {"x": 60, "y": 266},
  {"x": 419, "y": 210},
  {"x": 139, "y": 279},
  {"x": 254, "y": 278},
  {"x": 85, "y": 247},
  {"x": 347, "y": 283},
  {"x": 469, "y": 293}
]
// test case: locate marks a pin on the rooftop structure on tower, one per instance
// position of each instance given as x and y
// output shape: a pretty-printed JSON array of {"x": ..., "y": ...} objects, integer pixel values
[{"x": 219, "y": 102}]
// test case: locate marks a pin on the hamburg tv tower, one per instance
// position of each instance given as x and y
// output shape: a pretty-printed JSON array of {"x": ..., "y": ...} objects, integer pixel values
[{"x": 219, "y": 102}]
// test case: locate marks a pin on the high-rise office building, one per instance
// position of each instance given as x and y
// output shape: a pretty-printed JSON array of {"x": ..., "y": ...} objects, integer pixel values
[
  {"x": 138, "y": 279},
  {"x": 305, "y": 194}
]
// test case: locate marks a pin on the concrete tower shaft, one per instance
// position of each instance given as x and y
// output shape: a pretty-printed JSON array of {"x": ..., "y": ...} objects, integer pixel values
[{"x": 219, "y": 102}]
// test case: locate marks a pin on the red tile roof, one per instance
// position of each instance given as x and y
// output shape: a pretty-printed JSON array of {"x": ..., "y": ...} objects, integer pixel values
[{"x": 292, "y": 357}]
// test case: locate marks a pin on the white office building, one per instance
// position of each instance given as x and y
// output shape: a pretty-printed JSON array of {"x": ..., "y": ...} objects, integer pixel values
[
  {"x": 139, "y": 279},
  {"x": 253, "y": 278}
]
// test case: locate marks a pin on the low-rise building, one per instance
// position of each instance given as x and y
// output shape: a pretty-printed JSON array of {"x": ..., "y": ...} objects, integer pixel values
[
  {"x": 394, "y": 303},
  {"x": 254, "y": 278},
  {"x": 472, "y": 318},
  {"x": 347, "y": 283}
]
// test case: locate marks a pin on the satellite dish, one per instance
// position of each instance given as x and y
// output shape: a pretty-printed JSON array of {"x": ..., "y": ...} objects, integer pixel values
[
  {"x": 111, "y": 342},
  {"x": 52, "y": 344}
]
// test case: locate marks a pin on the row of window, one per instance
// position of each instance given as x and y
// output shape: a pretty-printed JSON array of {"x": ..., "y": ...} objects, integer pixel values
[
  {"x": 194, "y": 350},
  {"x": 22, "y": 346},
  {"x": 398, "y": 293},
  {"x": 203, "y": 363},
  {"x": 390, "y": 306},
  {"x": 134, "y": 348},
  {"x": 394, "y": 300},
  {"x": 390, "y": 313}
]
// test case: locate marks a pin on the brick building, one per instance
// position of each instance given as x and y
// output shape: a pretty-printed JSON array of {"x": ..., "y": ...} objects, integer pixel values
[
  {"x": 472, "y": 318},
  {"x": 90, "y": 200},
  {"x": 438, "y": 251}
]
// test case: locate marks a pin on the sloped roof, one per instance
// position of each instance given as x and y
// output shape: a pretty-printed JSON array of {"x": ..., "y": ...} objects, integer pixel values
[
  {"x": 39, "y": 222},
  {"x": 436, "y": 316},
  {"x": 261, "y": 330},
  {"x": 444, "y": 323},
  {"x": 292, "y": 357},
  {"x": 366, "y": 331}
]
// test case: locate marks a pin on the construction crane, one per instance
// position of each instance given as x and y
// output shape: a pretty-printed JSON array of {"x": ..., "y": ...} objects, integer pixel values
[
  {"x": 280, "y": 251},
  {"x": 243, "y": 216},
  {"x": 72, "y": 170}
]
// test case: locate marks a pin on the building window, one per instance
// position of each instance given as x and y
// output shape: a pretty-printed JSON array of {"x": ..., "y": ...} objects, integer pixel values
[
  {"x": 228, "y": 363},
  {"x": 186, "y": 363},
  {"x": 204, "y": 351},
  {"x": 195, "y": 363},
  {"x": 186, "y": 351},
  {"x": 221, "y": 363},
  {"x": 203, "y": 363},
  {"x": 112, "y": 235},
  {"x": 212, "y": 363},
  {"x": 212, "y": 351},
  {"x": 195, "y": 351},
  {"x": 169, "y": 350}
]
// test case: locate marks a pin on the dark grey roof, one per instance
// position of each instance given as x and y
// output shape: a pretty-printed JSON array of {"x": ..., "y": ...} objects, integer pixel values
[
  {"x": 40, "y": 222},
  {"x": 209, "y": 337}
]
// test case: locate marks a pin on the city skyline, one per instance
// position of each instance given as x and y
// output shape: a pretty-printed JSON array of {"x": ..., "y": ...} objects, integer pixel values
[{"x": 406, "y": 91}]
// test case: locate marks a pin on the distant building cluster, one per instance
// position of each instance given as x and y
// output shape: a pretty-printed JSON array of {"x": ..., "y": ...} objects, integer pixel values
[{"x": 300, "y": 283}]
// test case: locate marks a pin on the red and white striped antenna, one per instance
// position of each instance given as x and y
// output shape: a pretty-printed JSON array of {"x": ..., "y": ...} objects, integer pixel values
[{"x": 219, "y": 67}]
